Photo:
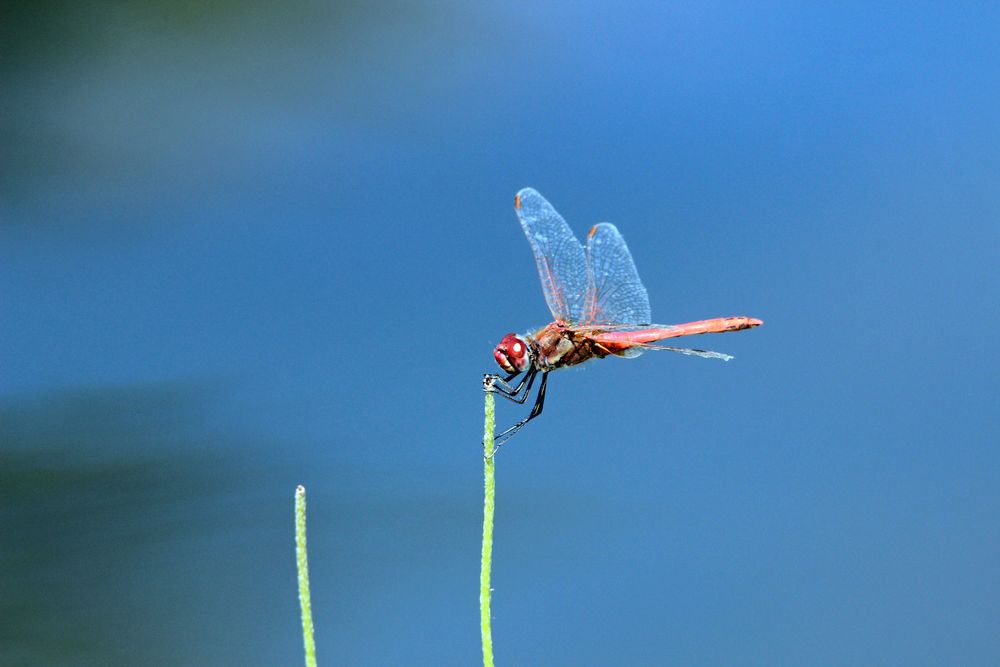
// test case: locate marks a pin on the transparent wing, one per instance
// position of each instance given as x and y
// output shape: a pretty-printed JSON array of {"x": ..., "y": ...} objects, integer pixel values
[
  {"x": 615, "y": 294},
  {"x": 707, "y": 354},
  {"x": 561, "y": 260},
  {"x": 601, "y": 327}
]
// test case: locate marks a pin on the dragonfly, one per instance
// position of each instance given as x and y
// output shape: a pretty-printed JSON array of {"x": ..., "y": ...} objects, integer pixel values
[{"x": 600, "y": 308}]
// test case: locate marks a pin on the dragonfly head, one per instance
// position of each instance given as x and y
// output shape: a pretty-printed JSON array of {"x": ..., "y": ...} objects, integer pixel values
[{"x": 513, "y": 354}]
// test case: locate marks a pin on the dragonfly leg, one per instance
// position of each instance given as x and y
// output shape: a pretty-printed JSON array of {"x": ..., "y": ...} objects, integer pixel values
[
  {"x": 490, "y": 381},
  {"x": 502, "y": 386},
  {"x": 503, "y": 437}
]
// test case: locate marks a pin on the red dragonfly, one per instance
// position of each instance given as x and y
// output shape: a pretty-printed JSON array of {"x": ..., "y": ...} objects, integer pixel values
[{"x": 599, "y": 304}]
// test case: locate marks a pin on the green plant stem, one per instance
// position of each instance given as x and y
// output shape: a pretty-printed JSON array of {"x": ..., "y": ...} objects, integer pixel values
[
  {"x": 302, "y": 563},
  {"x": 487, "y": 560}
]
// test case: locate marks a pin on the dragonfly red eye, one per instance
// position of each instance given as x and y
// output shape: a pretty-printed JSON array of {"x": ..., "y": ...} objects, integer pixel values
[
  {"x": 512, "y": 354},
  {"x": 515, "y": 348}
]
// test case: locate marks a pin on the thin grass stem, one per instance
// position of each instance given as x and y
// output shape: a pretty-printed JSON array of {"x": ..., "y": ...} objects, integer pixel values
[
  {"x": 485, "y": 593},
  {"x": 302, "y": 563}
]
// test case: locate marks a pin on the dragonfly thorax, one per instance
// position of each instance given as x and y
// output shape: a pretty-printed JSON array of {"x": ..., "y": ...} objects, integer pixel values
[{"x": 514, "y": 354}]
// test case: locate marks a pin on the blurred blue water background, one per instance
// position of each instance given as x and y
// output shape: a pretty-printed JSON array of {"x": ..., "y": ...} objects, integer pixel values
[{"x": 246, "y": 246}]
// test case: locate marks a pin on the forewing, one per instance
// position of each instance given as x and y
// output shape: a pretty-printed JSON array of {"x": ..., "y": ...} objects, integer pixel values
[
  {"x": 615, "y": 294},
  {"x": 561, "y": 259}
]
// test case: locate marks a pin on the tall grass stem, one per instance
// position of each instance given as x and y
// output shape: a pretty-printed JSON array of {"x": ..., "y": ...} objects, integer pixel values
[
  {"x": 302, "y": 563},
  {"x": 485, "y": 593}
]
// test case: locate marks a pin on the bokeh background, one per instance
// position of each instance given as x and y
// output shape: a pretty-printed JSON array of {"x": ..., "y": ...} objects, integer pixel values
[{"x": 251, "y": 245}]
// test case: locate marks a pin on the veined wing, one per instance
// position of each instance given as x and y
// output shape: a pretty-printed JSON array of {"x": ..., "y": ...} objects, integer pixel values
[
  {"x": 615, "y": 294},
  {"x": 561, "y": 260},
  {"x": 638, "y": 349}
]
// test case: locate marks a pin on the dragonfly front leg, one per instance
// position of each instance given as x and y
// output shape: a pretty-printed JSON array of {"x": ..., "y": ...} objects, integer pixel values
[
  {"x": 503, "y": 437},
  {"x": 502, "y": 386}
]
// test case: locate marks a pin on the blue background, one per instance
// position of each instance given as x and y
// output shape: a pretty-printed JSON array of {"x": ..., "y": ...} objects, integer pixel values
[{"x": 249, "y": 246}]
